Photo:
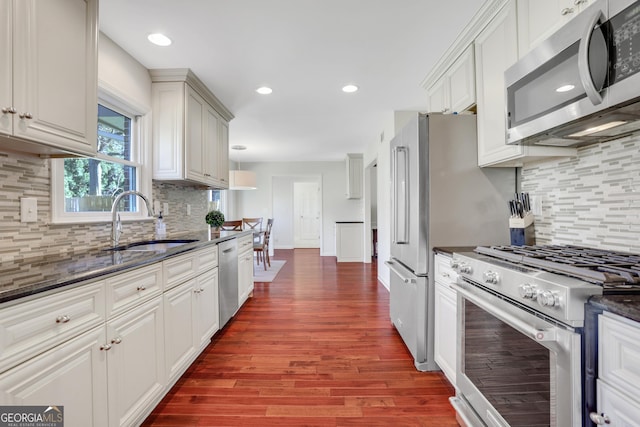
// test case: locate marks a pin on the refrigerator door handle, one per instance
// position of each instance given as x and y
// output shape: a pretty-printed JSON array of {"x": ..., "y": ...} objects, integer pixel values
[
  {"x": 392, "y": 267},
  {"x": 400, "y": 211}
]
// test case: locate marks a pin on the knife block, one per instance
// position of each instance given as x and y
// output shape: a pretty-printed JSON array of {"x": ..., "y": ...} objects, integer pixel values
[{"x": 522, "y": 231}]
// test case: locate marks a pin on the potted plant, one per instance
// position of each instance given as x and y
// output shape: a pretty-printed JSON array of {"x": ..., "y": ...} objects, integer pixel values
[{"x": 215, "y": 219}]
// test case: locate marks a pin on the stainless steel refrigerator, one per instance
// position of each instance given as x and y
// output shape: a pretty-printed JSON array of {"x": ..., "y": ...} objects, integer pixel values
[{"x": 439, "y": 197}]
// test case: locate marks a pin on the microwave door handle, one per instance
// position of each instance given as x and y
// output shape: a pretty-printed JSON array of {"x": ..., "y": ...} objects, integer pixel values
[{"x": 583, "y": 59}]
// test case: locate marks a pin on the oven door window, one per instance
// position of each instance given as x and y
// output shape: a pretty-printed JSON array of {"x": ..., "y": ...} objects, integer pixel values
[{"x": 511, "y": 370}]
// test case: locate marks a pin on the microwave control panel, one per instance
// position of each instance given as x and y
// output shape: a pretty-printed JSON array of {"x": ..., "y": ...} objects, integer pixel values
[{"x": 625, "y": 27}]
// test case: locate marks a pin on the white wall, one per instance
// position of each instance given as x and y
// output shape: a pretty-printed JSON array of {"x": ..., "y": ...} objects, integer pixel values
[
  {"x": 275, "y": 185},
  {"x": 378, "y": 151}
]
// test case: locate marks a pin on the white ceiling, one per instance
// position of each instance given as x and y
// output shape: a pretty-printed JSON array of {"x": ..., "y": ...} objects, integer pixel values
[{"x": 306, "y": 50}]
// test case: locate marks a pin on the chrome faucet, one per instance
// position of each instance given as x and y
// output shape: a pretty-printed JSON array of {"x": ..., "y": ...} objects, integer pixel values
[{"x": 116, "y": 225}]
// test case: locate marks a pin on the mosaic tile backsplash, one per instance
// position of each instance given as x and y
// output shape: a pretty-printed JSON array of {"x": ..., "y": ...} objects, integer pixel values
[
  {"x": 27, "y": 176},
  {"x": 592, "y": 199}
]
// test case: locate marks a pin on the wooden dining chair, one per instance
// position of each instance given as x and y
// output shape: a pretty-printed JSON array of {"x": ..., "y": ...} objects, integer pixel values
[
  {"x": 261, "y": 248},
  {"x": 252, "y": 223},
  {"x": 234, "y": 225}
]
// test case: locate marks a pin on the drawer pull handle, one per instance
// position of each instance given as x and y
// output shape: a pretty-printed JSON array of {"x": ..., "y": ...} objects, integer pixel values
[
  {"x": 199, "y": 290},
  {"x": 9, "y": 110},
  {"x": 105, "y": 347},
  {"x": 445, "y": 275},
  {"x": 63, "y": 319},
  {"x": 25, "y": 116},
  {"x": 141, "y": 288},
  {"x": 116, "y": 340},
  {"x": 599, "y": 419},
  {"x": 566, "y": 11}
]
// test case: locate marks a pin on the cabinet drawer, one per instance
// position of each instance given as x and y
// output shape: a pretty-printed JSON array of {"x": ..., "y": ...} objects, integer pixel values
[
  {"x": 619, "y": 353},
  {"x": 29, "y": 328},
  {"x": 245, "y": 243},
  {"x": 127, "y": 290},
  {"x": 207, "y": 258},
  {"x": 622, "y": 409},
  {"x": 443, "y": 271},
  {"x": 177, "y": 270}
]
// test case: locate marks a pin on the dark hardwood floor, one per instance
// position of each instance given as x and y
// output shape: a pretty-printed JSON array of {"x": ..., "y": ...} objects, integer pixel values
[{"x": 313, "y": 348}]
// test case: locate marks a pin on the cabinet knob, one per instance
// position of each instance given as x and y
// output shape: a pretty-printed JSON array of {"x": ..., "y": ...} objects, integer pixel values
[
  {"x": 25, "y": 116},
  {"x": 599, "y": 419},
  {"x": 141, "y": 288},
  {"x": 579, "y": 2},
  {"x": 566, "y": 11},
  {"x": 116, "y": 340},
  {"x": 63, "y": 319},
  {"x": 9, "y": 110},
  {"x": 105, "y": 347}
]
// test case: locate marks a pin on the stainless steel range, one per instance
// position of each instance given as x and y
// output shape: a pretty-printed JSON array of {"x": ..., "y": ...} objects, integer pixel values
[{"x": 521, "y": 318}]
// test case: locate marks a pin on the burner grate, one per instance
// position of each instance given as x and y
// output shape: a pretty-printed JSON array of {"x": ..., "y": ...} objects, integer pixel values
[{"x": 604, "y": 267}]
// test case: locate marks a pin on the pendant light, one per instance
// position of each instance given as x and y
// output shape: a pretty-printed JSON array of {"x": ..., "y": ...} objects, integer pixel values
[{"x": 242, "y": 180}]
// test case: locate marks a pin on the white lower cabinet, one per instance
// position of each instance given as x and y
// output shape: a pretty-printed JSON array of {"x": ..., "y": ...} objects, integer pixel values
[
  {"x": 73, "y": 375},
  {"x": 245, "y": 268},
  {"x": 191, "y": 319},
  {"x": 618, "y": 383},
  {"x": 349, "y": 242},
  {"x": 135, "y": 363},
  {"x": 108, "y": 351},
  {"x": 445, "y": 315}
]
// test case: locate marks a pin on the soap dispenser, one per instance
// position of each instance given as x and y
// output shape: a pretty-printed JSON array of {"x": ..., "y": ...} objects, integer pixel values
[{"x": 161, "y": 227}]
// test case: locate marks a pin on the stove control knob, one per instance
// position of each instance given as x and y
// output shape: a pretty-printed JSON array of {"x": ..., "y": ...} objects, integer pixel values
[
  {"x": 491, "y": 277},
  {"x": 527, "y": 291},
  {"x": 465, "y": 268},
  {"x": 547, "y": 299}
]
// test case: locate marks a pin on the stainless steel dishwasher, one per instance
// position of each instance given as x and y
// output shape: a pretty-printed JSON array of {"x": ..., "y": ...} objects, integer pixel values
[{"x": 228, "y": 282}]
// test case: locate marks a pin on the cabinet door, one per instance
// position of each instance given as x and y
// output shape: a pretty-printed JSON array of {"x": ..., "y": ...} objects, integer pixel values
[
  {"x": 538, "y": 19},
  {"x": 245, "y": 276},
  {"x": 73, "y": 375},
  {"x": 206, "y": 295},
  {"x": 462, "y": 83},
  {"x": 223, "y": 154},
  {"x": 438, "y": 96},
  {"x": 135, "y": 363},
  {"x": 445, "y": 337},
  {"x": 55, "y": 73},
  {"x": 6, "y": 72},
  {"x": 179, "y": 322},
  {"x": 622, "y": 409},
  {"x": 194, "y": 133},
  {"x": 496, "y": 49},
  {"x": 211, "y": 149}
]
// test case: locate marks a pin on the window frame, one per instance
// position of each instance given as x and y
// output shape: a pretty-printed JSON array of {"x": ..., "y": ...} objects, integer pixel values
[{"x": 141, "y": 159}]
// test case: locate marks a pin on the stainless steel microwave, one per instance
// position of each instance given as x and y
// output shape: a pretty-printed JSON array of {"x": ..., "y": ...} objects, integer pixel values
[{"x": 581, "y": 85}]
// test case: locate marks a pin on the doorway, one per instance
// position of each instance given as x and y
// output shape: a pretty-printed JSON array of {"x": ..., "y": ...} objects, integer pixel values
[{"x": 306, "y": 214}]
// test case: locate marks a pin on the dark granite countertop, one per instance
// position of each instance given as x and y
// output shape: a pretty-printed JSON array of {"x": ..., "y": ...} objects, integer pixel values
[
  {"x": 30, "y": 276},
  {"x": 624, "y": 305},
  {"x": 449, "y": 250}
]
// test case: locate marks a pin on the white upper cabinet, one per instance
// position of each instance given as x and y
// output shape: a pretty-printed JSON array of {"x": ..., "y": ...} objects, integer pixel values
[
  {"x": 48, "y": 76},
  {"x": 538, "y": 19},
  {"x": 496, "y": 49},
  {"x": 355, "y": 170},
  {"x": 190, "y": 130},
  {"x": 455, "y": 91}
]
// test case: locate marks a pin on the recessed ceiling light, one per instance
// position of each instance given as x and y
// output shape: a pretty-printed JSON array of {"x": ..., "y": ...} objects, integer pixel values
[
  {"x": 350, "y": 88},
  {"x": 565, "y": 88},
  {"x": 264, "y": 90},
  {"x": 238, "y": 147},
  {"x": 159, "y": 39}
]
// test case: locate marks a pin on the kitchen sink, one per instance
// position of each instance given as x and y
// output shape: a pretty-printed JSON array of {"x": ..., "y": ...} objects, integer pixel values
[{"x": 152, "y": 245}]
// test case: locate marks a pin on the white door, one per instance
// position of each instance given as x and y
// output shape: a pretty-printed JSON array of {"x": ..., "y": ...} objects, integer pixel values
[{"x": 306, "y": 214}]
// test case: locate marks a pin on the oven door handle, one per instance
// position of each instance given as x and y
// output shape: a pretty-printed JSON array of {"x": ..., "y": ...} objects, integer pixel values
[
  {"x": 398, "y": 273},
  {"x": 548, "y": 336}
]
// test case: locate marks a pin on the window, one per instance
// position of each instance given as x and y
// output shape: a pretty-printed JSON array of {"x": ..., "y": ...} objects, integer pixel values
[{"x": 83, "y": 189}]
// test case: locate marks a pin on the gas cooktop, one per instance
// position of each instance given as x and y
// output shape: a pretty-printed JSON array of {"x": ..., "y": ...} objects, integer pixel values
[{"x": 610, "y": 269}]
